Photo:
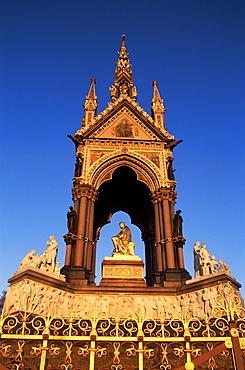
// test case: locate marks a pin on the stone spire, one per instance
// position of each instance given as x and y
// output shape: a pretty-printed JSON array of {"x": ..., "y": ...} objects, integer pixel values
[
  {"x": 123, "y": 82},
  {"x": 157, "y": 107},
  {"x": 90, "y": 105}
]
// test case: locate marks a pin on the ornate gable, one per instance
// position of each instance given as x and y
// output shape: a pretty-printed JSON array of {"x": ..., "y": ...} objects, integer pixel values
[{"x": 124, "y": 121}]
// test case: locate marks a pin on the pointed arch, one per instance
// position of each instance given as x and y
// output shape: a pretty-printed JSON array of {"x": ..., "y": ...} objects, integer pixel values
[{"x": 143, "y": 171}]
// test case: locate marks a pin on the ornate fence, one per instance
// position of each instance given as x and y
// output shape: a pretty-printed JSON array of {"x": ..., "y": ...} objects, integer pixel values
[{"x": 35, "y": 342}]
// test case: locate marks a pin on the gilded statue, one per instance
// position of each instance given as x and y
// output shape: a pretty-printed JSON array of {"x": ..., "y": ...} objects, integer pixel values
[{"x": 122, "y": 241}]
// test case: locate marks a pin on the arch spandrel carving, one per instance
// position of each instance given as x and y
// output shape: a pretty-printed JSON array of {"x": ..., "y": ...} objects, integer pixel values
[{"x": 146, "y": 171}]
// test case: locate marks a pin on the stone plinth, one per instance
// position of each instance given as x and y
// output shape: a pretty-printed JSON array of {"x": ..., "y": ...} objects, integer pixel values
[{"x": 122, "y": 270}]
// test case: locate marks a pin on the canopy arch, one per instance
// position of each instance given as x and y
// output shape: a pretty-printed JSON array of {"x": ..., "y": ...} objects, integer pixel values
[
  {"x": 124, "y": 192},
  {"x": 144, "y": 172}
]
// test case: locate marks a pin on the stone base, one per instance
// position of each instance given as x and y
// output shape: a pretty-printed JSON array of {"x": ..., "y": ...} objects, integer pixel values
[
  {"x": 122, "y": 270},
  {"x": 78, "y": 276},
  {"x": 172, "y": 278},
  {"x": 40, "y": 272}
]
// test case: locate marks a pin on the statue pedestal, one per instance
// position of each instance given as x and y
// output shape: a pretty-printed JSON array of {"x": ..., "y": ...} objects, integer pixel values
[{"x": 122, "y": 270}]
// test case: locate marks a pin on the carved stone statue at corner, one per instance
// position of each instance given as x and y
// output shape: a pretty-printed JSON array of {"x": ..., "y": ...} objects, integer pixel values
[
  {"x": 205, "y": 259},
  {"x": 170, "y": 170},
  {"x": 31, "y": 260},
  {"x": 223, "y": 266},
  {"x": 205, "y": 264},
  {"x": 79, "y": 164},
  {"x": 177, "y": 221},
  {"x": 122, "y": 241},
  {"x": 72, "y": 221},
  {"x": 49, "y": 256},
  {"x": 197, "y": 266}
]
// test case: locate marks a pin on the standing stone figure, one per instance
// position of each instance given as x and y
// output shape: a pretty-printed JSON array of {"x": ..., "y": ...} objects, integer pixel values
[
  {"x": 49, "y": 256},
  {"x": 178, "y": 220},
  {"x": 122, "y": 241},
  {"x": 205, "y": 260},
  {"x": 79, "y": 165},
  {"x": 197, "y": 266},
  {"x": 170, "y": 170},
  {"x": 72, "y": 221}
]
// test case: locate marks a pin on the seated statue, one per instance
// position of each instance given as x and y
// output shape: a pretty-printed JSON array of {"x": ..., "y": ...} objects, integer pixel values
[
  {"x": 223, "y": 266},
  {"x": 122, "y": 241}
]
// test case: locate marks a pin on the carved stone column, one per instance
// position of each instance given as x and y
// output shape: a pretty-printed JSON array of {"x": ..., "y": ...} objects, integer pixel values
[
  {"x": 90, "y": 241},
  {"x": 168, "y": 235},
  {"x": 158, "y": 261},
  {"x": 181, "y": 262},
  {"x": 149, "y": 240},
  {"x": 78, "y": 259},
  {"x": 69, "y": 245},
  {"x": 94, "y": 257}
]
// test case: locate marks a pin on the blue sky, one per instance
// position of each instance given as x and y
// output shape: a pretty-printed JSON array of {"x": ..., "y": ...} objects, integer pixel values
[{"x": 51, "y": 49}]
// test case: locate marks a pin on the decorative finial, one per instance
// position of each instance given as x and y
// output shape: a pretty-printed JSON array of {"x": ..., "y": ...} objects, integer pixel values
[{"x": 123, "y": 82}]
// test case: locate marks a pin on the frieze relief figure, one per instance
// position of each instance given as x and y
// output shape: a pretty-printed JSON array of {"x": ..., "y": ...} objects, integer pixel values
[
  {"x": 40, "y": 299},
  {"x": 122, "y": 241}
]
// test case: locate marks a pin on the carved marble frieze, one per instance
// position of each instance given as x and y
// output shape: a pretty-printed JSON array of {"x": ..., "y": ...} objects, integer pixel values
[{"x": 33, "y": 297}]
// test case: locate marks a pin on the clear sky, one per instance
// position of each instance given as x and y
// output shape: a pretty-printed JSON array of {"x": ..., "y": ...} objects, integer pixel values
[{"x": 51, "y": 49}]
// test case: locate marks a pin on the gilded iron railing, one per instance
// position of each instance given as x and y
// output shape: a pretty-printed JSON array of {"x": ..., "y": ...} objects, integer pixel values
[{"x": 48, "y": 343}]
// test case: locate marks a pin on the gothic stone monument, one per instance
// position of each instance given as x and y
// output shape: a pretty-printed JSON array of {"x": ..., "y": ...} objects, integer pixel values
[{"x": 59, "y": 319}]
